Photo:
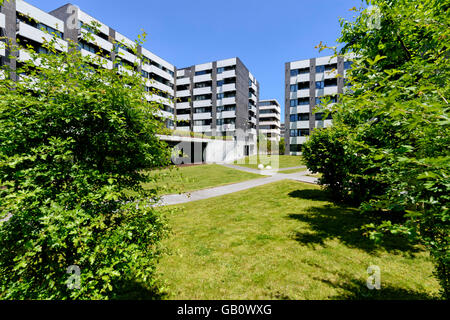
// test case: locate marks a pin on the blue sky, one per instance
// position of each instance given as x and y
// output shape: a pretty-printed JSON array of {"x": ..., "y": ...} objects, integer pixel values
[{"x": 263, "y": 34}]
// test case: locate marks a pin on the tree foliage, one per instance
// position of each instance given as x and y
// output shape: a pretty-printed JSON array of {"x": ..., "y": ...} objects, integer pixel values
[
  {"x": 389, "y": 147},
  {"x": 75, "y": 138}
]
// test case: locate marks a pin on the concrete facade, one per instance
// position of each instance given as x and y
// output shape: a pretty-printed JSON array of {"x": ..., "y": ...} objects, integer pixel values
[{"x": 307, "y": 82}]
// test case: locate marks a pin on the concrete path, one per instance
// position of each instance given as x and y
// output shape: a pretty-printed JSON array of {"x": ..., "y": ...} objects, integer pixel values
[
  {"x": 237, "y": 187},
  {"x": 261, "y": 172}
]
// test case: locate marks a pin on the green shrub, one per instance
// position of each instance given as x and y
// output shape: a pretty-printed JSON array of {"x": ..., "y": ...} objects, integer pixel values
[
  {"x": 389, "y": 147},
  {"x": 74, "y": 138}
]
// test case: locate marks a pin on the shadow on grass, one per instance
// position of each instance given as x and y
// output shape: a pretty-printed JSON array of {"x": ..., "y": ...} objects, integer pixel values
[
  {"x": 358, "y": 290},
  {"x": 132, "y": 290},
  {"x": 328, "y": 221}
]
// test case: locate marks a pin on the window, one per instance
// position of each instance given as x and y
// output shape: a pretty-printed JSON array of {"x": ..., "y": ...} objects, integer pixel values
[
  {"x": 303, "y": 101},
  {"x": 296, "y": 148},
  {"x": 303, "y": 117},
  {"x": 318, "y": 101},
  {"x": 320, "y": 69},
  {"x": 330, "y": 67},
  {"x": 250, "y": 82},
  {"x": 294, "y": 88},
  {"x": 320, "y": 85},
  {"x": 294, "y": 73},
  {"x": 321, "y": 116},
  {"x": 200, "y": 73},
  {"x": 294, "y": 103},
  {"x": 348, "y": 65},
  {"x": 330, "y": 82},
  {"x": 293, "y": 118},
  {"x": 293, "y": 133},
  {"x": 220, "y": 96},
  {"x": 303, "y": 85},
  {"x": 220, "y": 70},
  {"x": 304, "y": 71},
  {"x": 220, "y": 83},
  {"x": 303, "y": 132}
]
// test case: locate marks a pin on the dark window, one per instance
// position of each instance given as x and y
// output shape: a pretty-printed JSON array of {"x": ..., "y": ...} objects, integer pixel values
[
  {"x": 320, "y": 69},
  {"x": 303, "y": 117}
]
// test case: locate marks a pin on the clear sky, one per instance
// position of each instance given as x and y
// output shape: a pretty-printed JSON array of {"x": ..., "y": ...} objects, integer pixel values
[{"x": 263, "y": 34}]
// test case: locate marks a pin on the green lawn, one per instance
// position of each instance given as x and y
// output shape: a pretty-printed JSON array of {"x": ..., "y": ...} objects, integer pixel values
[
  {"x": 274, "y": 161},
  {"x": 284, "y": 241},
  {"x": 187, "y": 179}
]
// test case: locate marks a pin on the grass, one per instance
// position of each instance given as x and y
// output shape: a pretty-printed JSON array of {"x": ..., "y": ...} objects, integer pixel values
[
  {"x": 187, "y": 179},
  {"x": 274, "y": 161},
  {"x": 284, "y": 241}
]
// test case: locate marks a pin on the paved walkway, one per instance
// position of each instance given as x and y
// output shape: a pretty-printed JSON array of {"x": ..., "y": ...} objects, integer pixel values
[{"x": 236, "y": 187}]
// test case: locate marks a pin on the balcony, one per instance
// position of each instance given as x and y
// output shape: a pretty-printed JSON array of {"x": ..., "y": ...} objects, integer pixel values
[
  {"x": 37, "y": 35},
  {"x": 125, "y": 55},
  {"x": 203, "y": 78},
  {"x": 226, "y": 74},
  {"x": 203, "y": 103},
  {"x": 183, "y": 93},
  {"x": 304, "y": 93},
  {"x": 183, "y": 81},
  {"x": 160, "y": 86},
  {"x": 161, "y": 73},
  {"x": 202, "y": 129},
  {"x": 270, "y": 123},
  {"x": 201, "y": 91},
  {"x": 298, "y": 140},
  {"x": 226, "y": 88},
  {"x": 299, "y": 125},
  {"x": 102, "y": 43},
  {"x": 226, "y": 101},
  {"x": 226, "y": 127},
  {"x": 226, "y": 114},
  {"x": 202, "y": 116},
  {"x": 183, "y": 105},
  {"x": 300, "y": 109},
  {"x": 324, "y": 123},
  {"x": 183, "y": 117}
]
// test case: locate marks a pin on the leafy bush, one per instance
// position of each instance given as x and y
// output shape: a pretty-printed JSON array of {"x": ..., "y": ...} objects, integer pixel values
[
  {"x": 389, "y": 147},
  {"x": 74, "y": 137}
]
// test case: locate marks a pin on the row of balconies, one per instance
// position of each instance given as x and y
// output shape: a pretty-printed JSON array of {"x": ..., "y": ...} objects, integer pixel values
[
  {"x": 206, "y": 90},
  {"x": 305, "y": 93},
  {"x": 305, "y": 124}
]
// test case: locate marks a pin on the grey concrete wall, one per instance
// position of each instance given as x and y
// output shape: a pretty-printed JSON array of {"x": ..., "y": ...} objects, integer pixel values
[
  {"x": 214, "y": 99},
  {"x": 11, "y": 53},
  {"x": 175, "y": 98},
  {"x": 191, "y": 88},
  {"x": 242, "y": 91},
  {"x": 287, "y": 106},
  {"x": 112, "y": 39},
  {"x": 340, "y": 69},
  {"x": 312, "y": 94},
  {"x": 69, "y": 14}
]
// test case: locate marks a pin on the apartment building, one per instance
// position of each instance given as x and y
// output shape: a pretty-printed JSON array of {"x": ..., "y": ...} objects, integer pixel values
[
  {"x": 307, "y": 83},
  {"x": 218, "y": 98},
  {"x": 269, "y": 119},
  {"x": 23, "y": 23}
]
